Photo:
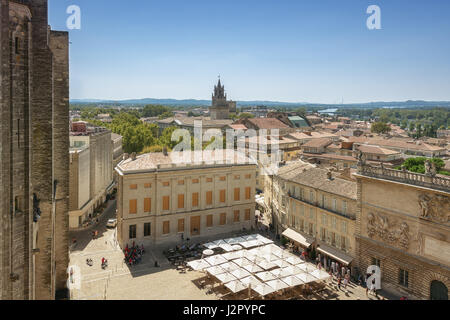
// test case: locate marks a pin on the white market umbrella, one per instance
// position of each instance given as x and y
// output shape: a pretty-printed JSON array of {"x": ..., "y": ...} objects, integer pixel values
[
  {"x": 229, "y": 266},
  {"x": 307, "y": 267},
  {"x": 281, "y": 263},
  {"x": 264, "y": 240},
  {"x": 253, "y": 268},
  {"x": 271, "y": 249},
  {"x": 277, "y": 284},
  {"x": 226, "y": 247},
  {"x": 254, "y": 259},
  {"x": 215, "y": 270},
  {"x": 215, "y": 260},
  {"x": 208, "y": 252},
  {"x": 290, "y": 271},
  {"x": 250, "y": 237},
  {"x": 295, "y": 260},
  {"x": 267, "y": 265},
  {"x": 320, "y": 274},
  {"x": 276, "y": 272},
  {"x": 198, "y": 265},
  {"x": 219, "y": 242},
  {"x": 251, "y": 280},
  {"x": 226, "y": 277},
  {"x": 230, "y": 255},
  {"x": 210, "y": 245},
  {"x": 240, "y": 273},
  {"x": 242, "y": 262},
  {"x": 306, "y": 277},
  {"x": 247, "y": 244},
  {"x": 265, "y": 276},
  {"x": 292, "y": 281},
  {"x": 242, "y": 254},
  {"x": 234, "y": 240},
  {"x": 235, "y": 286},
  {"x": 263, "y": 289}
]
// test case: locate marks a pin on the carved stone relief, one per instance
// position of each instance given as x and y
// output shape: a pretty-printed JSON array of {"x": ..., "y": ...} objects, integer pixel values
[
  {"x": 434, "y": 207},
  {"x": 379, "y": 227}
]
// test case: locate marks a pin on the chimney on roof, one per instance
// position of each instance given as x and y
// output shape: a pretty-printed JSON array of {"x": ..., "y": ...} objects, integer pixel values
[
  {"x": 126, "y": 156},
  {"x": 165, "y": 152},
  {"x": 329, "y": 175},
  {"x": 133, "y": 156}
]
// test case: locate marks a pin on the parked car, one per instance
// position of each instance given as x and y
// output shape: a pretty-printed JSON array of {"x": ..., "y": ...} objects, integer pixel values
[{"x": 112, "y": 223}]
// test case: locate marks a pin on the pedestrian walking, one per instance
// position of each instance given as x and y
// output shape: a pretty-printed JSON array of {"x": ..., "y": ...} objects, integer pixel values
[{"x": 339, "y": 282}]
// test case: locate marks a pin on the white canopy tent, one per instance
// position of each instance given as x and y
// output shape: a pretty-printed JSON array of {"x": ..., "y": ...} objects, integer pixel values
[
  {"x": 290, "y": 271},
  {"x": 306, "y": 277},
  {"x": 307, "y": 267},
  {"x": 236, "y": 240},
  {"x": 215, "y": 270},
  {"x": 281, "y": 263},
  {"x": 253, "y": 268},
  {"x": 294, "y": 260},
  {"x": 251, "y": 280},
  {"x": 266, "y": 276},
  {"x": 267, "y": 265},
  {"x": 229, "y": 266},
  {"x": 227, "y": 247},
  {"x": 215, "y": 260},
  {"x": 292, "y": 281},
  {"x": 199, "y": 265},
  {"x": 218, "y": 243},
  {"x": 263, "y": 289},
  {"x": 276, "y": 272},
  {"x": 226, "y": 277},
  {"x": 210, "y": 245},
  {"x": 242, "y": 262},
  {"x": 277, "y": 284},
  {"x": 235, "y": 286},
  {"x": 240, "y": 273},
  {"x": 320, "y": 274}
]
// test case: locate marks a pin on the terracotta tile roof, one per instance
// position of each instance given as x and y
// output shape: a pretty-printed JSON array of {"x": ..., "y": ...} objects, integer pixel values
[
  {"x": 396, "y": 143},
  {"x": 151, "y": 161},
  {"x": 318, "y": 143},
  {"x": 376, "y": 150},
  {"x": 308, "y": 175},
  {"x": 268, "y": 123}
]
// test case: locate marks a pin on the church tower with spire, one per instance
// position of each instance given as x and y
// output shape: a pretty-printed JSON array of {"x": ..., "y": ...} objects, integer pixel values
[{"x": 221, "y": 108}]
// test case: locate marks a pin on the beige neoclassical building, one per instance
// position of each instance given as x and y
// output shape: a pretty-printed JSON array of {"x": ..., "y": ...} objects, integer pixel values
[
  {"x": 314, "y": 208},
  {"x": 403, "y": 226},
  {"x": 162, "y": 202}
]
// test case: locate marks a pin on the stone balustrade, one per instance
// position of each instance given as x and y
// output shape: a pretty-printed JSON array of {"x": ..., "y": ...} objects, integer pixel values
[{"x": 424, "y": 180}]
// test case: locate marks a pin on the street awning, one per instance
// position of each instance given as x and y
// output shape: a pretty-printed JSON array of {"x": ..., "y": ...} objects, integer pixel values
[
  {"x": 297, "y": 237},
  {"x": 335, "y": 254}
]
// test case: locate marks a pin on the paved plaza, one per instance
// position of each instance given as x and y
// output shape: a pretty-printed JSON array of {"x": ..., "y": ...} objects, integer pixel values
[{"x": 147, "y": 282}]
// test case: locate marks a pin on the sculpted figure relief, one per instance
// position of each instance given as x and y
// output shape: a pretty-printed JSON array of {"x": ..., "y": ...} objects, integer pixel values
[
  {"x": 379, "y": 227},
  {"x": 434, "y": 207}
]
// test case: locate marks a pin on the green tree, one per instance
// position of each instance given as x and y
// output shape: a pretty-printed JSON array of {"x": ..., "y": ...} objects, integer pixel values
[{"x": 380, "y": 127}]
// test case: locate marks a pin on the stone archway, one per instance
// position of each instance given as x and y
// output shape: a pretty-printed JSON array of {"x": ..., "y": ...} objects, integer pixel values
[{"x": 438, "y": 291}]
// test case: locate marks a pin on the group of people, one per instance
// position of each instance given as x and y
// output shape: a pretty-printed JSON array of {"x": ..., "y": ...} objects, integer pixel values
[
  {"x": 134, "y": 254},
  {"x": 338, "y": 271}
]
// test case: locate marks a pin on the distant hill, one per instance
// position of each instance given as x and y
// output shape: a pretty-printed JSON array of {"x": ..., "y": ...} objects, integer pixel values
[{"x": 205, "y": 103}]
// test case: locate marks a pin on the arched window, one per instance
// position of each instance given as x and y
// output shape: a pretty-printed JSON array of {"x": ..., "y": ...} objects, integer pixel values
[{"x": 438, "y": 291}]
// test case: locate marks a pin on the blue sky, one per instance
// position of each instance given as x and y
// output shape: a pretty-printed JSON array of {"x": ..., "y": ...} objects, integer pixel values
[{"x": 286, "y": 50}]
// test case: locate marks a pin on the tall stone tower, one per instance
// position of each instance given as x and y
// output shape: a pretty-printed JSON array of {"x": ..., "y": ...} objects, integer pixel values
[
  {"x": 220, "y": 108},
  {"x": 34, "y": 152}
]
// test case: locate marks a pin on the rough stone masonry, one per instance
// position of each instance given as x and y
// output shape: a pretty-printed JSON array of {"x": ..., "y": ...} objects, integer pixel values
[{"x": 34, "y": 152}]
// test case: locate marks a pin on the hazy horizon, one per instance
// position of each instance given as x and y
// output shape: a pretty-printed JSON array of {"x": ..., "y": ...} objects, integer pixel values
[{"x": 287, "y": 51}]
